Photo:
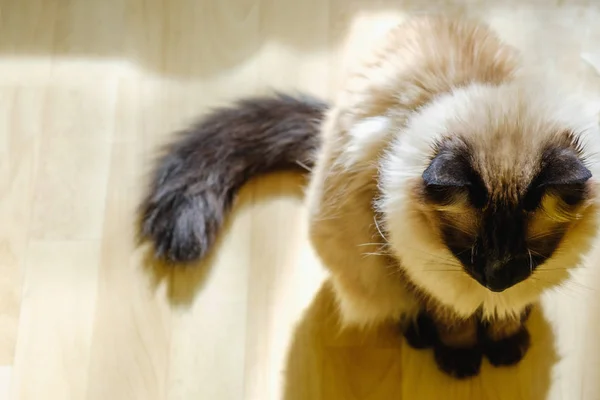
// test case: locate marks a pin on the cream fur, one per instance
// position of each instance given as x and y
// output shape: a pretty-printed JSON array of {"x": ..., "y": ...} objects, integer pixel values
[
  {"x": 482, "y": 109},
  {"x": 430, "y": 76}
]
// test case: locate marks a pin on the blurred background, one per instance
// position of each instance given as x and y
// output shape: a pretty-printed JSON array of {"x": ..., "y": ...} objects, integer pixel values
[{"x": 89, "y": 91}]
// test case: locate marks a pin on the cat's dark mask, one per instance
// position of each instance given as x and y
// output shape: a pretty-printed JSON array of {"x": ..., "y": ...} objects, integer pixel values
[{"x": 493, "y": 237}]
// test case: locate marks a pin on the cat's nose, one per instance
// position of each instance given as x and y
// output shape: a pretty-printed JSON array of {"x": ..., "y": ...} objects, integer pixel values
[{"x": 503, "y": 274}]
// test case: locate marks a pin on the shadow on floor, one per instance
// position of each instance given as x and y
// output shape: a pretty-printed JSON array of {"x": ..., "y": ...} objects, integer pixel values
[
  {"x": 326, "y": 364},
  {"x": 184, "y": 283},
  {"x": 192, "y": 38}
]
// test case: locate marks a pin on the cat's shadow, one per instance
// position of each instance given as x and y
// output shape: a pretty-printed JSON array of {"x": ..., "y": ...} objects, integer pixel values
[{"x": 326, "y": 364}]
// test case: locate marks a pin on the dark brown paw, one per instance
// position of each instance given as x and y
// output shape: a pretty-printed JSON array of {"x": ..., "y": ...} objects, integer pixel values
[
  {"x": 508, "y": 351},
  {"x": 459, "y": 363},
  {"x": 421, "y": 333}
]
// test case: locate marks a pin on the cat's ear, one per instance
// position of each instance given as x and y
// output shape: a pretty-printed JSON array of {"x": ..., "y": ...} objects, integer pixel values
[
  {"x": 562, "y": 173},
  {"x": 447, "y": 169},
  {"x": 450, "y": 175},
  {"x": 563, "y": 167}
]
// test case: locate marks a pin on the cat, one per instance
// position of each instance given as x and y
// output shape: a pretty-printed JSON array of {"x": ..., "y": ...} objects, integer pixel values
[{"x": 449, "y": 188}]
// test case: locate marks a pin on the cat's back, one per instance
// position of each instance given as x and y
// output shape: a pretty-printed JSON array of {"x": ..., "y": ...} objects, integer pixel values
[{"x": 426, "y": 56}]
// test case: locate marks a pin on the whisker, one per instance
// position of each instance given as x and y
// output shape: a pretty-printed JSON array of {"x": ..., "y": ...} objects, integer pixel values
[
  {"x": 375, "y": 254},
  {"x": 534, "y": 252},
  {"x": 581, "y": 285},
  {"x": 379, "y": 229},
  {"x": 458, "y": 228},
  {"x": 306, "y": 167},
  {"x": 565, "y": 287},
  {"x": 372, "y": 244},
  {"x": 545, "y": 234},
  {"x": 441, "y": 270},
  {"x": 395, "y": 271},
  {"x": 544, "y": 269},
  {"x": 465, "y": 250},
  {"x": 473, "y": 251},
  {"x": 444, "y": 263},
  {"x": 559, "y": 288}
]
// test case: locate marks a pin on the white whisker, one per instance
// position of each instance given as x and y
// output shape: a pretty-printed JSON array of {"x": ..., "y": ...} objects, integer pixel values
[
  {"x": 372, "y": 244},
  {"x": 375, "y": 254},
  {"x": 379, "y": 230},
  {"x": 306, "y": 167}
]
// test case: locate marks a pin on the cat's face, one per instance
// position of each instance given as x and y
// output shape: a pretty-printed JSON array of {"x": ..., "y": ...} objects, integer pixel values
[
  {"x": 502, "y": 223},
  {"x": 490, "y": 191}
]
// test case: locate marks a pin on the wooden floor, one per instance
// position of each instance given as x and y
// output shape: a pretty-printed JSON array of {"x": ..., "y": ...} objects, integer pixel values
[{"x": 90, "y": 88}]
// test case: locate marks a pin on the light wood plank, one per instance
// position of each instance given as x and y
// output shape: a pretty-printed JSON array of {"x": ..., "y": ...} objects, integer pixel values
[
  {"x": 5, "y": 379},
  {"x": 89, "y": 90},
  {"x": 18, "y": 147},
  {"x": 129, "y": 350},
  {"x": 56, "y": 323}
]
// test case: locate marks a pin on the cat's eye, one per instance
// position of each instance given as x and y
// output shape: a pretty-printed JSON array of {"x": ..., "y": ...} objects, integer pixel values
[
  {"x": 572, "y": 195},
  {"x": 533, "y": 199},
  {"x": 563, "y": 175},
  {"x": 445, "y": 195},
  {"x": 568, "y": 195},
  {"x": 478, "y": 194},
  {"x": 475, "y": 195}
]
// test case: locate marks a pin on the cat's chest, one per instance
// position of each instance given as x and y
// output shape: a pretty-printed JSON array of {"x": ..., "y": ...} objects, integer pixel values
[{"x": 490, "y": 304}]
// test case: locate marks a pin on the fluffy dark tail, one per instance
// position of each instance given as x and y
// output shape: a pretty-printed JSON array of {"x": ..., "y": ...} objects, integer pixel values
[{"x": 195, "y": 182}]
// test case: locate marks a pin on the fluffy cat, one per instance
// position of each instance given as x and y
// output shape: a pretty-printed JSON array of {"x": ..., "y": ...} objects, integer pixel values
[{"x": 471, "y": 185}]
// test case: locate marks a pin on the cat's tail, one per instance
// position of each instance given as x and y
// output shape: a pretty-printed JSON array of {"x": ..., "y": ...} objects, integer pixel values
[{"x": 196, "y": 180}]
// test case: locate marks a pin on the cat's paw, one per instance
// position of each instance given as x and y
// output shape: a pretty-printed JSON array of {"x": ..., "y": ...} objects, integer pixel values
[
  {"x": 508, "y": 351},
  {"x": 421, "y": 333},
  {"x": 459, "y": 363}
]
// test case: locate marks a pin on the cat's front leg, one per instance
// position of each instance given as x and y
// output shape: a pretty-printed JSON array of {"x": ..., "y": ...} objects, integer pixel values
[
  {"x": 506, "y": 341},
  {"x": 457, "y": 351},
  {"x": 454, "y": 340},
  {"x": 421, "y": 333}
]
